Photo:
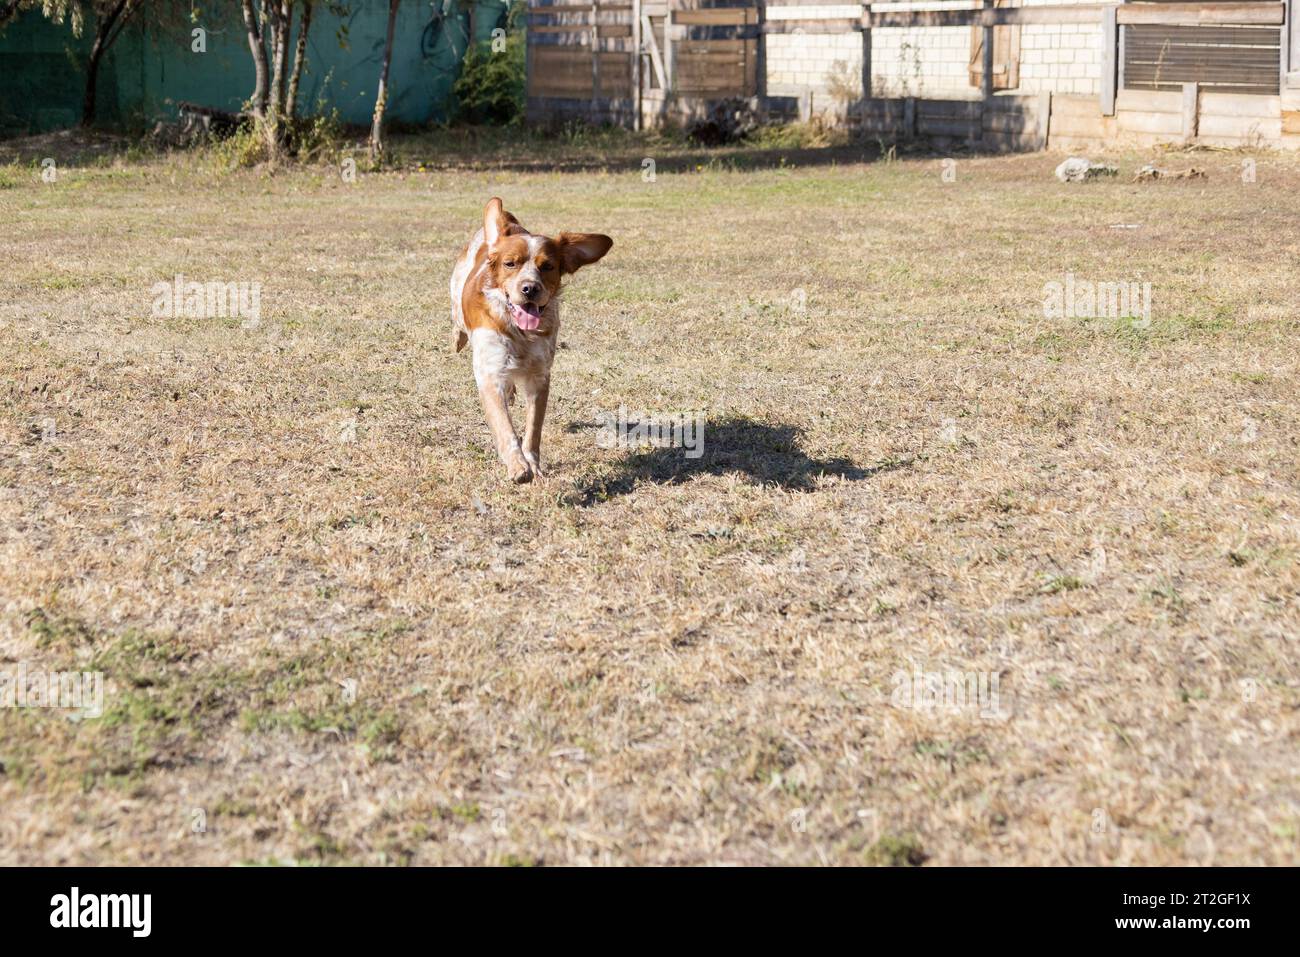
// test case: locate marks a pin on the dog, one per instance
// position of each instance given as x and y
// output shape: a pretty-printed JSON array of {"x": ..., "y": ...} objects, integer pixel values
[{"x": 505, "y": 302}]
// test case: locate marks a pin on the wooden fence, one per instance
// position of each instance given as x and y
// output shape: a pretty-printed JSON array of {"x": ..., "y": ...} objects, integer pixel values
[
  {"x": 641, "y": 62},
  {"x": 581, "y": 58}
]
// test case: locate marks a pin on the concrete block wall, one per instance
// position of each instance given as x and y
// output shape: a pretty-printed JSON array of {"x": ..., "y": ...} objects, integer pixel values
[
  {"x": 822, "y": 63},
  {"x": 1061, "y": 57},
  {"x": 924, "y": 61},
  {"x": 921, "y": 61}
]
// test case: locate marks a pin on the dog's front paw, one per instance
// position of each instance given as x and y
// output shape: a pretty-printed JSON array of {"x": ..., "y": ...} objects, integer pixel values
[
  {"x": 535, "y": 465},
  {"x": 518, "y": 469}
]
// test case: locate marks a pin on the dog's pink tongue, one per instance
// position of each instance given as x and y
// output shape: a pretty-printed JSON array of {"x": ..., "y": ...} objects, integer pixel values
[{"x": 524, "y": 319}]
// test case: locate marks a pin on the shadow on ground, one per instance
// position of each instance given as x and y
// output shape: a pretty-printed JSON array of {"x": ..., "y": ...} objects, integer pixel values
[
  {"x": 763, "y": 454},
  {"x": 685, "y": 159}
]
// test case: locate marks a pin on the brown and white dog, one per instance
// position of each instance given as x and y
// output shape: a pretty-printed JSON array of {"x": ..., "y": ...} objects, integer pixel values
[{"x": 505, "y": 302}]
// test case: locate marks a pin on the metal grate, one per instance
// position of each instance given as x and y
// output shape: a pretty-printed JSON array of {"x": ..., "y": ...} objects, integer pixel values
[{"x": 1229, "y": 59}]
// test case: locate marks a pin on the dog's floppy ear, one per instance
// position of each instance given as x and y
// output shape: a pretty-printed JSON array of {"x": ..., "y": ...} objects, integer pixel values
[
  {"x": 495, "y": 221},
  {"x": 582, "y": 249}
]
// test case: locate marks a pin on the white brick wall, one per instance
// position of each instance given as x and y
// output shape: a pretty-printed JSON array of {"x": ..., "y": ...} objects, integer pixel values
[
  {"x": 923, "y": 61},
  {"x": 1063, "y": 58},
  {"x": 820, "y": 62}
]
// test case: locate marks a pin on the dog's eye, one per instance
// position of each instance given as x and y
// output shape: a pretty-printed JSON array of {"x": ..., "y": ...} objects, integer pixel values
[
  {"x": 547, "y": 267},
  {"x": 510, "y": 264}
]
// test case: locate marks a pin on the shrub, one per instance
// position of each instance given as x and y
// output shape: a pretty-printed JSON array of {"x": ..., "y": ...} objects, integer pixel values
[
  {"x": 245, "y": 147},
  {"x": 490, "y": 88}
]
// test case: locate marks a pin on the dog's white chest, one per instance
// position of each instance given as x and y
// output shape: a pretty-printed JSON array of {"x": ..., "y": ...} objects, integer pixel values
[{"x": 517, "y": 360}]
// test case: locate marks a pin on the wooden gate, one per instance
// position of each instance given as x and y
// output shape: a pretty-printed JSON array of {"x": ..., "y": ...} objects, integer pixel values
[
  {"x": 580, "y": 58},
  {"x": 637, "y": 61},
  {"x": 1006, "y": 55}
]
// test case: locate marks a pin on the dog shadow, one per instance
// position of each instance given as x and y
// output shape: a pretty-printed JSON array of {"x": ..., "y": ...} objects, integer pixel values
[{"x": 764, "y": 454}]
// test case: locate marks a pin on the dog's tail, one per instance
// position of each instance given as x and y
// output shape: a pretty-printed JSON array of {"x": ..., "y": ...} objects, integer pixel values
[{"x": 458, "y": 334}]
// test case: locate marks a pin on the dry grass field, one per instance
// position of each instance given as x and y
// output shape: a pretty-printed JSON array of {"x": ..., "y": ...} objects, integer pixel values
[{"x": 332, "y": 633}]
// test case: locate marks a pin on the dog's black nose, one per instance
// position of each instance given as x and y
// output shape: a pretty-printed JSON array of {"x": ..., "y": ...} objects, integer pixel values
[{"x": 529, "y": 289}]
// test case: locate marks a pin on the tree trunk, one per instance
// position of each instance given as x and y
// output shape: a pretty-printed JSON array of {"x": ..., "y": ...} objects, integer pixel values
[
  {"x": 257, "y": 102},
  {"x": 299, "y": 58},
  {"x": 92, "y": 79},
  {"x": 281, "y": 24},
  {"x": 105, "y": 36},
  {"x": 381, "y": 98}
]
